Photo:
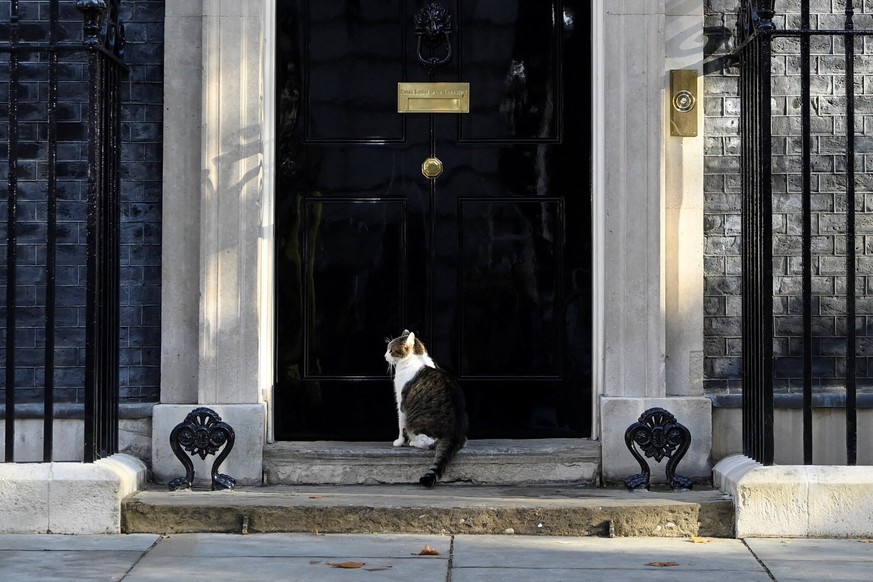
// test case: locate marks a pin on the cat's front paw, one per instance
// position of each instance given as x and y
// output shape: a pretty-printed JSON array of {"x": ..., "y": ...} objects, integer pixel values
[
  {"x": 399, "y": 442},
  {"x": 422, "y": 441}
]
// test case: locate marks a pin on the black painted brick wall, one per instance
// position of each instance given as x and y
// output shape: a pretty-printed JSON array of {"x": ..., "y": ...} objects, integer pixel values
[
  {"x": 142, "y": 119},
  {"x": 142, "y": 93},
  {"x": 722, "y": 226}
]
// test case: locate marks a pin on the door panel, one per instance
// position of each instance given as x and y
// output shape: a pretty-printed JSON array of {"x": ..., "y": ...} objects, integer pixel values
[
  {"x": 357, "y": 281},
  {"x": 510, "y": 52},
  {"x": 510, "y": 259},
  {"x": 346, "y": 47},
  {"x": 489, "y": 263}
]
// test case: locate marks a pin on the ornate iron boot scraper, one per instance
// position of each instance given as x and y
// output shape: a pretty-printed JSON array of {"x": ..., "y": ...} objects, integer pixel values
[
  {"x": 202, "y": 433},
  {"x": 658, "y": 435}
]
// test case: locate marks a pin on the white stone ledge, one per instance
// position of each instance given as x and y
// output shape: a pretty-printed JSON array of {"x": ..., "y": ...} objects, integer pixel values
[
  {"x": 68, "y": 498},
  {"x": 797, "y": 500}
]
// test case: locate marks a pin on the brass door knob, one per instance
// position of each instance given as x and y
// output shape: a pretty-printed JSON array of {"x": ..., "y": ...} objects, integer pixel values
[{"x": 431, "y": 168}]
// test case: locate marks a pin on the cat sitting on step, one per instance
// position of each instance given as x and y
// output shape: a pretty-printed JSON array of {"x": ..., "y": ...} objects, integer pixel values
[{"x": 431, "y": 411}]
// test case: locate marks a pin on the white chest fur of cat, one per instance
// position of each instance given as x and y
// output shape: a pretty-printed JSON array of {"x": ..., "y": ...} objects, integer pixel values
[{"x": 405, "y": 370}]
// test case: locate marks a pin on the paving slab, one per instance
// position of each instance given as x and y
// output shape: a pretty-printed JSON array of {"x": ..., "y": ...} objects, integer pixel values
[
  {"x": 81, "y": 543},
  {"x": 299, "y": 545},
  {"x": 283, "y": 568},
  {"x": 666, "y": 574},
  {"x": 815, "y": 559},
  {"x": 66, "y": 565},
  {"x": 299, "y": 557},
  {"x": 396, "y": 557},
  {"x": 61, "y": 558},
  {"x": 482, "y": 558}
]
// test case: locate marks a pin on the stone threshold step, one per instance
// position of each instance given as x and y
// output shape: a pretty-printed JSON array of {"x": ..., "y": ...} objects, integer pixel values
[
  {"x": 445, "y": 509},
  {"x": 481, "y": 462}
]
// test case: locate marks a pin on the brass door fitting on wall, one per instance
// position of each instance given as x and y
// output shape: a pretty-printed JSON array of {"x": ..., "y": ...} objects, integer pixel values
[{"x": 683, "y": 102}]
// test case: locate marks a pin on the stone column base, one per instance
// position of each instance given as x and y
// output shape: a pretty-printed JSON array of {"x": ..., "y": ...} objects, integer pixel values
[
  {"x": 245, "y": 462},
  {"x": 618, "y": 413}
]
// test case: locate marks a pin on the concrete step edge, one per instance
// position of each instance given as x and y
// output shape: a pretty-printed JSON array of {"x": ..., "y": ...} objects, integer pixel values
[
  {"x": 501, "y": 462},
  {"x": 444, "y": 510}
]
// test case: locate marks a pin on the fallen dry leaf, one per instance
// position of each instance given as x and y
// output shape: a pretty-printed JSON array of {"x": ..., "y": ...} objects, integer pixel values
[
  {"x": 867, "y": 541},
  {"x": 662, "y": 564},
  {"x": 428, "y": 551},
  {"x": 699, "y": 540},
  {"x": 347, "y": 565}
]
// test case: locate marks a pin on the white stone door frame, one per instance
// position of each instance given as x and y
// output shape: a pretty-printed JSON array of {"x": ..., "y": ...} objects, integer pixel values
[
  {"x": 218, "y": 325},
  {"x": 648, "y": 239},
  {"x": 598, "y": 212}
]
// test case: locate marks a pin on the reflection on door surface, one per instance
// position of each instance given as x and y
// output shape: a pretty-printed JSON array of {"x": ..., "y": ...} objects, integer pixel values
[{"x": 489, "y": 262}]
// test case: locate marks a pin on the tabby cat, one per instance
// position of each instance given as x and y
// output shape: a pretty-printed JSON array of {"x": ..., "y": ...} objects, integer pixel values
[{"x": 430, "y": 404}]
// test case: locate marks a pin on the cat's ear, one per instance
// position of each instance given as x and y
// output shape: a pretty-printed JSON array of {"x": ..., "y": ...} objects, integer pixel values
[{"x": 410, "y": 340}]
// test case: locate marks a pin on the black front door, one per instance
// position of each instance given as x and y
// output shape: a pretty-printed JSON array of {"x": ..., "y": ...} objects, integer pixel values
[{"x": 489, "y": 263}]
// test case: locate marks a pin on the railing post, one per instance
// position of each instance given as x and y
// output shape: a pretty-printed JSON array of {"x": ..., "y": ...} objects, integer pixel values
[
  {"x": 93, "y": 11},
  {"x": 755, "y": 34},
  {"x": 851, "y": 326},
  {"x": 766, "y": 241},
  {"x": 806, "y": 211},
  {"x": 754, "y": 25},
  {"x": 11, "y": 241},
  {"x": 101, "y": 342}
]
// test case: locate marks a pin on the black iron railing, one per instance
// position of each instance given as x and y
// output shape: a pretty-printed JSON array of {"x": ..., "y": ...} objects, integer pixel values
[
  {"x": 756, "y": 34},
  {"x": 754, "y": 40},
  {"x": 44, "y": 44}
]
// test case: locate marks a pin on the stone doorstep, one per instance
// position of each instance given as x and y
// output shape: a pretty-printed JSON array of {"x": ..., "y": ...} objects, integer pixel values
[
  {"x": 797, "y": 500},
  {"x": 480, "y": 462},
  {"x": 445, "y": 509},
  {"x": 491, "y": 487}
]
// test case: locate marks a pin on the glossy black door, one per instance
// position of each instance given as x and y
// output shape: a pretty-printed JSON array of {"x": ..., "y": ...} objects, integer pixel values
[{"x": 489, "y": 263}]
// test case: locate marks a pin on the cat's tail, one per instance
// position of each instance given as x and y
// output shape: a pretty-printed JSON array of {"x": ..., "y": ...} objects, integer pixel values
[{"x": 444, "y": 452}]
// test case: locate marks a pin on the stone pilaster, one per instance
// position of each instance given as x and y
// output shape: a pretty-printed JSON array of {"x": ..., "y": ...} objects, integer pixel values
[
  {"x": 684, "y": 211},
  {"x": 180, "y": 287},
  {"x": 633, "y": 167},
  {"x": 233, "y": 214},
  {"x": 650, "y": 203}
]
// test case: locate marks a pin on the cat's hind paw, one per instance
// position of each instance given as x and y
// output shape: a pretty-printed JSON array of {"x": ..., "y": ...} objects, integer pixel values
[{"x": 422, "y": 441}]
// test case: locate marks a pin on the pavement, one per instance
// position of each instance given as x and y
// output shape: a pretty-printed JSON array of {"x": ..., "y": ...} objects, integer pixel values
[{"x": 459, "y": 558}]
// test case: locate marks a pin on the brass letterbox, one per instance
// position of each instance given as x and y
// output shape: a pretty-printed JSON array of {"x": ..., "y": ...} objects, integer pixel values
[{"x": 433, "y": 97}]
